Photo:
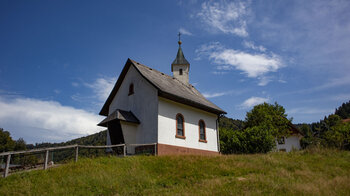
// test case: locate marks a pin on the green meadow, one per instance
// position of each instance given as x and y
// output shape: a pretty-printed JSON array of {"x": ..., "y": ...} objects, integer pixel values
[{"x": 311, "y": 172}]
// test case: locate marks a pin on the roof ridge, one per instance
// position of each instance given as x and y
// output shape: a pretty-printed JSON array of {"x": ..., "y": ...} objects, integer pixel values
[
  {"x": 173, "y": 89},
  {"x": 189, "y": 86}
]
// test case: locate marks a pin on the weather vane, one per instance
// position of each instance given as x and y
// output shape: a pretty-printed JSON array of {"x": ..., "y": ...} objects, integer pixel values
[{"x": 179, "y": 34}]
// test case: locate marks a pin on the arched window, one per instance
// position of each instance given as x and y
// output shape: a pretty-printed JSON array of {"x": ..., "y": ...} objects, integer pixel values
[
  {"x": 131, "y": 89},
  {"x": 180, "y": 126},
  {"x": 202, "y": 133}
]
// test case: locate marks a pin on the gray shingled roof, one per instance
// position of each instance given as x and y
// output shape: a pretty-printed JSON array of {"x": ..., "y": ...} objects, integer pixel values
[
  {"x": 168, "y": 87},
  {"x": 172, "y": 86}
]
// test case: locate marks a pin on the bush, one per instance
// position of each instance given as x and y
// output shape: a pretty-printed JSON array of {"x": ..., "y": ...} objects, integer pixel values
[
  {"x": 338, "y": 136},
  {"x": 257, "y": 139}
]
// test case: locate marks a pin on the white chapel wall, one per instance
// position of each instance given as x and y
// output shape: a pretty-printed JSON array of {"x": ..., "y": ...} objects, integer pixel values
[
  {"x": 143, "y": 104},
  {"x": 167, "y": 111}
]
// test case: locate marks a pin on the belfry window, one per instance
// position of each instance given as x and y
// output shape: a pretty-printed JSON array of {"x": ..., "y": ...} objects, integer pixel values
[
  {"x": 131, "y": 89},
  {"x": 180, "y": 126},
  {"x": 180, "y": 71}
]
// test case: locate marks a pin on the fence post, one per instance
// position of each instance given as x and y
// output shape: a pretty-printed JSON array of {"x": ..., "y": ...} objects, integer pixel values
[
  {"x": 76, "y": 153},
  {"x": 124, "y": 150},
  {"x": 7, "y": 166},
  {"x": 46, "y": 159},
  {"x": 155, "y": 149}
]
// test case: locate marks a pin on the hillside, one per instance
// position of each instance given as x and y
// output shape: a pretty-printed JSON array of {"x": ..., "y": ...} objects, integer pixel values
[
  {"x": 323, "y": 172},
  {"x": 93, "y": 139}
]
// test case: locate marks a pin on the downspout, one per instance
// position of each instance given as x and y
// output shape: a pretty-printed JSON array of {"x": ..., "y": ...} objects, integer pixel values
[{"x": 217, "y": 132}]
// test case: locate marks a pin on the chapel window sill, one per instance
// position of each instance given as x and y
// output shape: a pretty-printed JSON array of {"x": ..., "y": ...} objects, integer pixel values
[
  {"x": 204, "y": 141},
  {"x": 180, "y": 136}
]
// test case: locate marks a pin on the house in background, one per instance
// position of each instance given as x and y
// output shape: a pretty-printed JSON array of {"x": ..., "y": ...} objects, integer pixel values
[
  {"x": 292, "y": 142},
  {"x": 148, "y": 106}
]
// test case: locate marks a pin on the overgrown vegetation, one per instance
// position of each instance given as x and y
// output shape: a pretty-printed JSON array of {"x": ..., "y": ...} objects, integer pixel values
[
  {"x": 319, "y": 172},
  {"x": 332, "y": 132},
  {"x": 262, "y": 125},
  {"x": 266, "y": 122}
]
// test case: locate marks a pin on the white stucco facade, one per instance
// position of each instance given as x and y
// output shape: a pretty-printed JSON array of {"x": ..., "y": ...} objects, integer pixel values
[
  {"x": 167, "y": 111},
  {"x": 143, "y": 104},
  {"x": 141, "y": 112},
  {"x": 290, "y": 143}
]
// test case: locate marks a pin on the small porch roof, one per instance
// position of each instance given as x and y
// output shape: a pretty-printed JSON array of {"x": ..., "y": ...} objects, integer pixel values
[{"x": 122, "y": 115}]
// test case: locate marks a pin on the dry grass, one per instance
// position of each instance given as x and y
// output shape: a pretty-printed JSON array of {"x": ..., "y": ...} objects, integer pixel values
[{"x": 321, "y": 172}]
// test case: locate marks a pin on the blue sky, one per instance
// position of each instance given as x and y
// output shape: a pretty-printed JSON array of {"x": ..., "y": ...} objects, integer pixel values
[{"x": 60, "y": 59}]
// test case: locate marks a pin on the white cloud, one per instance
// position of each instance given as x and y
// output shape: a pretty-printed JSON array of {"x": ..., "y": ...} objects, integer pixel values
[
  {"x": 253, "y": 101},
  {"x": 308, "y": 110},
  {"x": 102, "y": 87},
  {"x": 184, "y": 31},
  {"x": 333, "y": 83},
  {"x": 75, "y": 84},
  {"x": 254, "y": 65},
  {"x": 37, "y": 120},
  {"x": 251, "y": 45},
  {"x": 264, "y": 81},
  {"x": 227, "y": 17},
  {"x": 314, "y": 33},
  {"x": 212, "y": 95},
  {"x": 219, "y": 72}
]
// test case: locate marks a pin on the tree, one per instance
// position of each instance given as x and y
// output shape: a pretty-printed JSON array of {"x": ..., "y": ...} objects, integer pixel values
[
  {"x": 344, "y": 110},
  {"x": 308, "y": 139},
  {"x": 263, "y": 124},
  {"x": 6, "y": 142},
  {"x": 20, "y": 144},
  {"x": 271, "y": 117},
  {"x": 229, "y": 123},
  {"x": 338, "y": 136}
]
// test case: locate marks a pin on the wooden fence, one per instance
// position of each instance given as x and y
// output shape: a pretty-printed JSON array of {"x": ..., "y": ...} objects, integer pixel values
[{"x": 76, "y": 146}]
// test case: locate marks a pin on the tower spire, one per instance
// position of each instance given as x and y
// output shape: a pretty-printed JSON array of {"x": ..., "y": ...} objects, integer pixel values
[{"x": 180, "y": 66}]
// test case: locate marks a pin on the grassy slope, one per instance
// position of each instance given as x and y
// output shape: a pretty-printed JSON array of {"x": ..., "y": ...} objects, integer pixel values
[{"x": 309, "y": 173}]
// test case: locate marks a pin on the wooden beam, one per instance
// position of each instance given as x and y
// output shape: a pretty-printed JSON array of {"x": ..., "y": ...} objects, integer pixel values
[
  {"x": 37, "y": 150},
  {"x": 46, "y": 159},
  {"x": 7, "y": 166},
  {"x": 76, "y": 153}
]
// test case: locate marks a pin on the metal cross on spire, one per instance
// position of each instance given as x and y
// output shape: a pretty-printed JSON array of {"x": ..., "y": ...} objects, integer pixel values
[{"x": 179, "y": 34}]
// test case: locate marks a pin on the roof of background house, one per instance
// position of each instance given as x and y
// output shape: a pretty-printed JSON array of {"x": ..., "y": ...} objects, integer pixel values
[
  {"x": 346, "y": 120},
  {"x": 167, "y": 86},
  {"x": 294, "y": 129}
]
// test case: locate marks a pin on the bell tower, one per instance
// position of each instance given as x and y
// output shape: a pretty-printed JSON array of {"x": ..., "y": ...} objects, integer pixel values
[{"x": 180, "y": 66}]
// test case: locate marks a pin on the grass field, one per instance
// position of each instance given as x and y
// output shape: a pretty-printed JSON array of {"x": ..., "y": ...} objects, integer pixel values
[{"x": 320, "y": 172}]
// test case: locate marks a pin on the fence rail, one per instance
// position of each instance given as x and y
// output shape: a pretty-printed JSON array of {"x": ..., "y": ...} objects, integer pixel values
[{"x": 76, "y": 146}]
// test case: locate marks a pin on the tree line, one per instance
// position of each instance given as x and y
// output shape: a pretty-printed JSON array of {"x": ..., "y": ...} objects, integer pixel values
[
  {"x": 255, "y": 134},
  {"x": 266, "y": 122}
]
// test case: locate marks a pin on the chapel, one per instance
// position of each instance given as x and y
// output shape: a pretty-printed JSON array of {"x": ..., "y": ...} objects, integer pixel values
[{"x": 147, "y": 106}]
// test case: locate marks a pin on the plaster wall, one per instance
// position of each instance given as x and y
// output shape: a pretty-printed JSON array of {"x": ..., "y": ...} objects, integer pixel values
[
  {"x": 184, "y": 78},
  {"x": 143, "y": 104},
  {"x": 291, "y": 142},
  {"x": 167, "y": 111},
  {"x": 130, "y": 134}
]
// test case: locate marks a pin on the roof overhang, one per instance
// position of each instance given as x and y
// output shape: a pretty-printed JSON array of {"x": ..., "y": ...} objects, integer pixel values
[
  {"x": 126, "y": 116},
  {"x": 189, "y": 102}
]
